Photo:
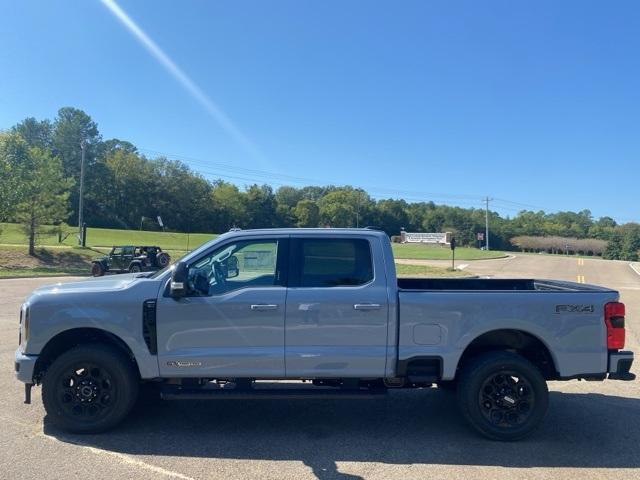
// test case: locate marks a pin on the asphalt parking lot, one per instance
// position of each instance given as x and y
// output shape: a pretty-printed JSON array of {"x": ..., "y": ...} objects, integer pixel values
[{"x": 592, "y": 429}]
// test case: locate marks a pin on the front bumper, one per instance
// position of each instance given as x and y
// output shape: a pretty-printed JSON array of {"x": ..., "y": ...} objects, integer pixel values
[
  {"x": 620, "y": 366},
  {"x": 24, "y": 366}
]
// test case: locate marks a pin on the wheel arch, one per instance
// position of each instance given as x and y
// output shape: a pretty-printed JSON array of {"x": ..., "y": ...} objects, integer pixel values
[
  {"x": 67, "y": 339},
  {"x": 525, "y": 343}
]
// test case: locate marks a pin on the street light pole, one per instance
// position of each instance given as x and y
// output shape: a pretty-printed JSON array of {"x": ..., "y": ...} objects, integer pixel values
[{"x": 83, "y": 147}]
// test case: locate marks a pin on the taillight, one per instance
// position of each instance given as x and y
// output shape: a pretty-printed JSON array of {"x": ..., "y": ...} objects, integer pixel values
[{"x": 614, "y": 319}]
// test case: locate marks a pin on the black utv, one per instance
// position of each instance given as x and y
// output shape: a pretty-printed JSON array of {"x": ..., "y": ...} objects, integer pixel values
[{"x": 129, "y": 258}]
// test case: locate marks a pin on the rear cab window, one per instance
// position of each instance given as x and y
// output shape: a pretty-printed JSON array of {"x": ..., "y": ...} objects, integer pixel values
[{"x": 330, "y": 262}]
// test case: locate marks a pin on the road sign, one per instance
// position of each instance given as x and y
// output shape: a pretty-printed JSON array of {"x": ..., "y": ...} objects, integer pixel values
[
  {"x": 160, "y": 221},
  {"x": 452, "y": 244},
  {"x": 430, "y": 237},
  {"x": 480, "y": 236}
]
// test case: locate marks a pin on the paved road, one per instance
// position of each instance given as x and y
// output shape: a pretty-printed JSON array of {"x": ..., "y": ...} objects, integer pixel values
[{"x": 592, "y": 430}]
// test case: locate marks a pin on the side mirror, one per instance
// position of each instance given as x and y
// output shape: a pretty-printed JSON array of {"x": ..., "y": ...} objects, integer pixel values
[
  {"x": 233, "y": 270},
  {"x": 179, "y": 281}
]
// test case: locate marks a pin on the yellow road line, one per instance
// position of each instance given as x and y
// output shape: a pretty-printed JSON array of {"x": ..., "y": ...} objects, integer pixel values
[{"x": 580, "y": 279}]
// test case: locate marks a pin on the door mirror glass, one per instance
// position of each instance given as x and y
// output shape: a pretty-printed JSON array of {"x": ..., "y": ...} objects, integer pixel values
[{"x": 179, "y": 286}]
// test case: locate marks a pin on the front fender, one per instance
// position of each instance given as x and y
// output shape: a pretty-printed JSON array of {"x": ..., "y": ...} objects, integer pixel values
[{"x": 117, "y": 312}]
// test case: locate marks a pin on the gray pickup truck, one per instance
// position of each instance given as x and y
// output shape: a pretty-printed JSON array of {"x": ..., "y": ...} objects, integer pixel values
[{"x": 303, "y": 313}]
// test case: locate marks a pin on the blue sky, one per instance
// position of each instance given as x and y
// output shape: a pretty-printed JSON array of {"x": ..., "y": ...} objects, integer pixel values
[{"x": 536, "y": 103}]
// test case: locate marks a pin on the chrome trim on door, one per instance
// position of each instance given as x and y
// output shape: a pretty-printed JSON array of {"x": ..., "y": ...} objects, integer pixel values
[
  {"x": 264, "y": 306},
  {"x": 366, "y": 306}
]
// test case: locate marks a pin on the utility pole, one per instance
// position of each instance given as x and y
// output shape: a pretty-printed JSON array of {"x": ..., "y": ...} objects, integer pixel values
[
  {"x": 358, "y": 210},
  {"x": 486, "y": 221},
  {"x": 83, "y": 147}
]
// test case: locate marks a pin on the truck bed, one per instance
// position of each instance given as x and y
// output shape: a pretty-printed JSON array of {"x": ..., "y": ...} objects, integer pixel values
[{"x": 494, "y": 284}]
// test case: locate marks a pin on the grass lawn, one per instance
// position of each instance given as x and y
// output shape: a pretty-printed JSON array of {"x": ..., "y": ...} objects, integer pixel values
[
  {"x": 15, "y": 262},
  {"x": 11, "y": 233},
  {"x": 423, "y": 251},
  {"x": 427, "y": 271}
]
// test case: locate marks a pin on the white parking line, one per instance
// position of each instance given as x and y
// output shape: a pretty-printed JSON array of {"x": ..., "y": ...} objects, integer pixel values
[
  {"x": 634, "y": 268},
  {"x": 121, "y": 457},
  {"x": 125, "y": 459}
]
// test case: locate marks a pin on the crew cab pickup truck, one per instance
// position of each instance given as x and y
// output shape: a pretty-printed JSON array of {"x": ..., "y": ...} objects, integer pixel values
[{"x": 302, "y": 313}]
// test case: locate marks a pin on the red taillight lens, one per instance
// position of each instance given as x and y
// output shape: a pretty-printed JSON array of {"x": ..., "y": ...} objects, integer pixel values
[{"x": 614, "y": 319}]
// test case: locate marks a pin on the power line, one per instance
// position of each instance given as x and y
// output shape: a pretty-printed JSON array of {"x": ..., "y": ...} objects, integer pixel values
[
  {"x": 214, "y": 169},
  {"x": 272, "y": 176}
]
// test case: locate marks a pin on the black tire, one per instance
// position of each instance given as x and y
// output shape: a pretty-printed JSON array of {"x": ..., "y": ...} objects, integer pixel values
[
  {"x": 89, "y": 389},
  {"x": 97, "y": 270},
  {"x": 135, "y": 268},
  {"x": 502, "y": 395},
  {"x": 163, "y": 259}
]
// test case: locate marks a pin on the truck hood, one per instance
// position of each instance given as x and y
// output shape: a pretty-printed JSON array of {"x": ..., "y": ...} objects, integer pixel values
[{"x": 108, "y": 283}]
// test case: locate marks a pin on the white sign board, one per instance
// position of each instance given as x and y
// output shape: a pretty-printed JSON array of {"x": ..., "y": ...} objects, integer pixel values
[
  {"x": 441, "y": 238},
  {"x": 160, "y": 221}
]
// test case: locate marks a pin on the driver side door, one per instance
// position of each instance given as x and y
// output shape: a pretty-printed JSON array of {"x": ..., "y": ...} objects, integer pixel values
[{"x": 231, "y": 323}]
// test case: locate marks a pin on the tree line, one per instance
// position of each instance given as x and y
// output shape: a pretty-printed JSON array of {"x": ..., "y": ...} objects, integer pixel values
[{"x": 123, "y": 188}]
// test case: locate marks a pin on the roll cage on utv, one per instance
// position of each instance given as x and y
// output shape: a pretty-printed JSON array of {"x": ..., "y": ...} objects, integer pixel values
[{"x": 132, "y": 259}]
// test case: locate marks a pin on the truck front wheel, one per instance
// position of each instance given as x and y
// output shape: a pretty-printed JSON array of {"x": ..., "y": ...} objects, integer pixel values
[
  {"x": 89, "y": 389},
  {"x": 502, "y": 395}
]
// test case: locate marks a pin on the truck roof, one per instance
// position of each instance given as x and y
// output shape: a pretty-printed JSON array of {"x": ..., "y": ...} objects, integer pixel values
[{"x": 316, "y": 231}]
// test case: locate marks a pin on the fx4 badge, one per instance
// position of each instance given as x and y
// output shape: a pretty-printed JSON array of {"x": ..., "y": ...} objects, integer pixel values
[
  {"x": 184, "y": 363},
  {"x": 574, "y": 309}
]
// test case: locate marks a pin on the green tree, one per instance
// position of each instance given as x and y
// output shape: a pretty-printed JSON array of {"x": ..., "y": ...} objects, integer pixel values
[
  {"x": 346, "y": 207},
  {"x": 45, "y": 192},
  {"x": 306, "y": 213},
  {"x": 631, "y": 242},
  {"x": 286, "y": 200},
  {"x": 392, "y": 216},
  {"x": 35, "y": 133},
  {"x": 229, "y": 206},
  {"x": 261, "y": 207},
  {"x": 14, "y": 155},
  {"x": 70, "y": 128},
  {"x": 614, "y": 249}
]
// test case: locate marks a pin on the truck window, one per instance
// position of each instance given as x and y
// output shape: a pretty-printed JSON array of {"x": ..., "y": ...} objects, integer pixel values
[
  {"x": 237, "y": 265},
  {"x": 334, "y": 262}
]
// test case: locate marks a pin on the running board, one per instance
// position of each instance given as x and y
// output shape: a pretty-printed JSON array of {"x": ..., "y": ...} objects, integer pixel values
[{"x": 266, "y": 393}]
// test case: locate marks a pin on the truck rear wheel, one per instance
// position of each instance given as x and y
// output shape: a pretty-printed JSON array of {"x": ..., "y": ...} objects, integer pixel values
[
  {"x": 163, "y": 259},
  {"x": 135, "y": 268},
  {"x": 89, "y": 389},
  {"x": 502, "y": 395}
]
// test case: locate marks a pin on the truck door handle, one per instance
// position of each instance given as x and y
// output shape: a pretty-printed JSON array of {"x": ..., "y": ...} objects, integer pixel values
[
  {"x": 264, "y": 306},
  {"x": 366, "y": 306}
]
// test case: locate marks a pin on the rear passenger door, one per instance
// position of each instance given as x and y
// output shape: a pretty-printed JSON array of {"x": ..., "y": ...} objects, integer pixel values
[{"x": 337, "y": 309}]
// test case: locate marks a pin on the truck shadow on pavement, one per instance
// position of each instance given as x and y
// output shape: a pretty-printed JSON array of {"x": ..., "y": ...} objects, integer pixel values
[{"x": 580, "y": 431}]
